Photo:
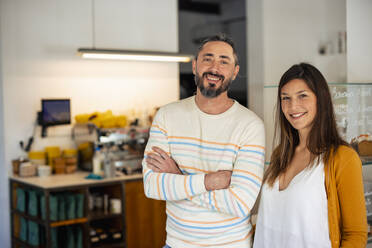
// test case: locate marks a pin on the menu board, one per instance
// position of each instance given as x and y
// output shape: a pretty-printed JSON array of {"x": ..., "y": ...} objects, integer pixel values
[{"x": 353, "y": 109}]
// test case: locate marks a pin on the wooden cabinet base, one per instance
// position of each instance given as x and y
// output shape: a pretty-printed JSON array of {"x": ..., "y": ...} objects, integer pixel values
[
  {"x": 136, "y": 222},
  {"x": 145, "y": 218}
]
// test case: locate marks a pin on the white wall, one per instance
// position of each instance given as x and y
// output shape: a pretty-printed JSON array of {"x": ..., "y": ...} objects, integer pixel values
[
  {"x": 255, "y": 56},
  {"x": 293, "y": 31},
  {"x": 4, "y": 193},
  {"x": 39, "y": 40},
  {"x": 283, "y": 33},
  {"x": 359, "y": 49},
  {"x": 359, "y": 37}
]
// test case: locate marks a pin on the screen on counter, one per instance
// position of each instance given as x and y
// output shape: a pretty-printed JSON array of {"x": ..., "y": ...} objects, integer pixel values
[{"x": 55, "y": 112}]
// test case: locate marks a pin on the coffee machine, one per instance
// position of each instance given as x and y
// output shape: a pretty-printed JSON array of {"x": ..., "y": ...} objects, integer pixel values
[{"x": 123, "y": 146}]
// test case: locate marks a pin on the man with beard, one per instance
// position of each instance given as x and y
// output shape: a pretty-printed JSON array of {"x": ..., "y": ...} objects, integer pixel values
[{"x": 205, "y": 157}]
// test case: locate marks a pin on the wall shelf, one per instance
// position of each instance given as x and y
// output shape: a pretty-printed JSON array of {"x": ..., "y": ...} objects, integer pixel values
[{"x": 68, "y": 222}]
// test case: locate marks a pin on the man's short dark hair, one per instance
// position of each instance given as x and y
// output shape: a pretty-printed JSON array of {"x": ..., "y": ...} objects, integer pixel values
[{"x": 219, "y": 37}]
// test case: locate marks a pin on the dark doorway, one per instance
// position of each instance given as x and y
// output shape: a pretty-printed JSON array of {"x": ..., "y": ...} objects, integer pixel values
[{"x": 202, "y": 18}]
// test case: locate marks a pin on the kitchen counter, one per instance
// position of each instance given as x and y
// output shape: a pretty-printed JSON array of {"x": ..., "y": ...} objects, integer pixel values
[
  {"x": 70, "y": 180},
  {"x": 138, "y": 214}
]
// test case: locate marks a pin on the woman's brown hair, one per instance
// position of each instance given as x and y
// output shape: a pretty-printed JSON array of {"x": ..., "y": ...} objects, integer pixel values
[{"x": 323, "y": 137}]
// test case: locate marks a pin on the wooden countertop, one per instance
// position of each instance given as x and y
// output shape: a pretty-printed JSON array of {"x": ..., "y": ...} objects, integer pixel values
[{"x": 68, "y": 180}]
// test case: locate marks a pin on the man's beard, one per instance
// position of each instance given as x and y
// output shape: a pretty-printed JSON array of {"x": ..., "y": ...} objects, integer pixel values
[{"x": 210, "y": 90}]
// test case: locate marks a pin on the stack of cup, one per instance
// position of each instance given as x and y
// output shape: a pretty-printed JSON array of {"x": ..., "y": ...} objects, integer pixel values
[
  {"x": 70, "y": 157},
  {"x": 37, "y": 157},
  {"x": 52, "y": 152}
]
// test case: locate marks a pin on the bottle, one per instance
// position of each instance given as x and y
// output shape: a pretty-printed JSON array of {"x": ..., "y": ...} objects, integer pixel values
[
  {"x": 97, "y": 161},
  {"x": 108, "y": 166}
]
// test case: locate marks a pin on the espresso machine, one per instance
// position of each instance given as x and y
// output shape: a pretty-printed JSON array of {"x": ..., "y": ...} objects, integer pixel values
[{"x": 123, "y": 147}]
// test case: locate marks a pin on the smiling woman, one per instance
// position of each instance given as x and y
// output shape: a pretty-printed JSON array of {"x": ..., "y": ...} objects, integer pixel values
[
  {"x": 312, "y": 194},
  {"x": 299, "y": 105}
]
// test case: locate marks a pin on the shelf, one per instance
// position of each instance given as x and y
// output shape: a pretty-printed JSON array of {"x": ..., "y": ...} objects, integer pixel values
[
  {"x": 129, "y": 189},
  {"x": 120, "y": 244},
  {"x": 368, "y": 194},
  {"x": 349, "y": 84},
  {"x": 330, "y": 83},
  {"x": 369, "y": 239},
  {"x": 102, "y": 215},
  {"x": 29, "y": 217},
  {"x": 366, "y": 160},
  {"x": 69, "y": 222},
  {"x": 24, "y": 244}
]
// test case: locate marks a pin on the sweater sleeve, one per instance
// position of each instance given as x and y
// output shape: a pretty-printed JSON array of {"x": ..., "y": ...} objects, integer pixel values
[
  {"x": 167, "y": 186},
  {"x": 349, "y": 183},
  {"x": 246, "y": 179}
]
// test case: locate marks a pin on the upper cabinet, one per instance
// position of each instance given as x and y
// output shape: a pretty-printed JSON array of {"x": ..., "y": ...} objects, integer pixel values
[{"x": 136, "y": 25}]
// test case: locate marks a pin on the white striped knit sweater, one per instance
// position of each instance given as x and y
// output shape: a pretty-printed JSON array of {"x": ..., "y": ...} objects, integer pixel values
[{"x": 201, "y": 143}]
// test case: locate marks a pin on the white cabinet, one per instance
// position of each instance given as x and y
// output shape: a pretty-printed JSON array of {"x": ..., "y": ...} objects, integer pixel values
[{"x": 136, "y": 25}]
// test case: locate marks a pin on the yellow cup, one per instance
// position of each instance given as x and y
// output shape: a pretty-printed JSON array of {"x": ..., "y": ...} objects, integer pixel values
[
  {"x": 69, "y": 153},
  {"x": 37, "y": 157},
  {"x": 52, "y": 152}
]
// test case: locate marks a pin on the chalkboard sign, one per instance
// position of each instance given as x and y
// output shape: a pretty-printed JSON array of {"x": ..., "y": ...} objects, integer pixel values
[{"x": 353, "y": 108}]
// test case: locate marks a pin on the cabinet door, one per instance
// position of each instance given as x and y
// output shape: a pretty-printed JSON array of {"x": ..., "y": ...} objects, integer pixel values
[
  {"x": 136, "y": 25},
  {"x": 145, "y": 218}
]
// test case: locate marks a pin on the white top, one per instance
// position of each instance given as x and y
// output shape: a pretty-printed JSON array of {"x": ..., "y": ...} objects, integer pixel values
[
  {"x": 297, "y": 216},
  {"x": 201, "y": 143}
]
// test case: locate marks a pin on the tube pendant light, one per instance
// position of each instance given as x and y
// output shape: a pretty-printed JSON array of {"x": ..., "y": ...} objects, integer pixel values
[
  {"x": 131, "y": 55},
  {"x": 88, "y": 53}
]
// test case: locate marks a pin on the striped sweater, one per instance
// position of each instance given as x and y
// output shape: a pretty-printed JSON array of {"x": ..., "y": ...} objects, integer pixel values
[{"x": 201, "y": 143}]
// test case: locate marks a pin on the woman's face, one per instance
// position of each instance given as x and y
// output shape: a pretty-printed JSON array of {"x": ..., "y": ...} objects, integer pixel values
[{"x": 298, "y": 105}]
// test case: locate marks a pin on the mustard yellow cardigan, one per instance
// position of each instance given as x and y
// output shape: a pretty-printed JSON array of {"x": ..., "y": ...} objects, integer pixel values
[{"x": 346, "y": 206}]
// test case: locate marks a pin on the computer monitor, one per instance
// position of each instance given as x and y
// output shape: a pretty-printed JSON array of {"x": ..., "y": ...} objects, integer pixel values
[{"x": 55, "y": 112}]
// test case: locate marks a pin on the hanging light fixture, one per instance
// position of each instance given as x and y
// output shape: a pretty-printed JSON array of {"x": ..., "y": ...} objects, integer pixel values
[
  {"x": 94, "y": 53},
  {"x": 115, "y": 54}
]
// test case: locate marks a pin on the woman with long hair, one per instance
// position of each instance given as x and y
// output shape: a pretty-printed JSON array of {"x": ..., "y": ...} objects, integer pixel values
[{"x": 312, "y": 194}]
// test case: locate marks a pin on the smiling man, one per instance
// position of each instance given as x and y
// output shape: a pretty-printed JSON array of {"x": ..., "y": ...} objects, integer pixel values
[
  {"x": 205, "y": 157},
  {"x": 210, "y": 79}
]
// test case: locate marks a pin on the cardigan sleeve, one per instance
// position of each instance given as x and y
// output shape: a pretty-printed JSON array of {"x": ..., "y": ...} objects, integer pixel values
[{"x": 349, "y": 183}]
